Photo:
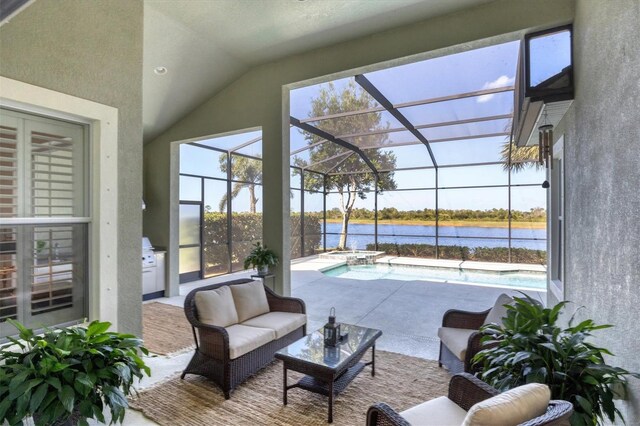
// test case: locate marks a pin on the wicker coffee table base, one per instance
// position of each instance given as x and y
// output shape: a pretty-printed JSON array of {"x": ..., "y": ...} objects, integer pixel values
[{"x": 323, "y": 381}]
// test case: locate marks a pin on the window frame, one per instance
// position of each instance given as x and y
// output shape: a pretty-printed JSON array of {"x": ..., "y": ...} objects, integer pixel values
[{"x": 556, "y": 241}]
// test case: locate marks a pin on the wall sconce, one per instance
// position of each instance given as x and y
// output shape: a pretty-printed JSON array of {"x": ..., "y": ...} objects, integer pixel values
[{"x": 545, "y": 140}]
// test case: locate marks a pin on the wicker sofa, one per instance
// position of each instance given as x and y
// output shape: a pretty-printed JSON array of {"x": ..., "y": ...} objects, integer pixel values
[
  {"x": 465, "y": 391},
  {"x": 238, "y": 326},
  {"x": 460, "y": 338}
]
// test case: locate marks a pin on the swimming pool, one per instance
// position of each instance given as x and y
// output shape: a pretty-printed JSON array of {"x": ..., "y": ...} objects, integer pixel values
[{"x": 518, "y": 280}]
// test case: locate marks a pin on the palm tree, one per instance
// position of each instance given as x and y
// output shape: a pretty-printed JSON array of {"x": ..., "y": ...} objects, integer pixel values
[
  {"x": 522, "y": 157},
  {"x": 248, "y": 173}
]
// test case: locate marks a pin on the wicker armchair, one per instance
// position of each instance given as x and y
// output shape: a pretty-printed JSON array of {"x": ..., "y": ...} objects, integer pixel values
[
  {"x": 212, "y": 356},
  {"x": 455, "y": 318},
  {"x": 466, "y": 390}
]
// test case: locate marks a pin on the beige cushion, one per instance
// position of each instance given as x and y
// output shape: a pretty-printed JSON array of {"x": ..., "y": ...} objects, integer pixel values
[
  {"x": 456, "y": 339},
  {"x": 510, "y": 408},
  {"x": 437, "y": 412},
  {"x": 498, "y": 311},
  {"x": 250, "y": 299},
  {"x": 282, "y": 323},
  {"x": 243, "y": 339},
  {"x": 216, "y": 307}
]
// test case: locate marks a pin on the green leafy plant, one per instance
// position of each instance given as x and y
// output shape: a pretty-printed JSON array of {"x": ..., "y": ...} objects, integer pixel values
[
  {"x": 261, "y": 257},
  {"x": 529, "y": 347},
  {"x": 68, "y": 374}
]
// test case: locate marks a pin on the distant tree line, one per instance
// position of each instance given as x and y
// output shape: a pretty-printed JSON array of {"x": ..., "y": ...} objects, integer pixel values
[{"x": 536, "y": 214}]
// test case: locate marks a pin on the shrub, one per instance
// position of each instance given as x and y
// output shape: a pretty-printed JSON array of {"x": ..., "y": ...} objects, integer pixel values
[
  {"x": 530, "y": 348},
  {"x": 482, "y": 254}
]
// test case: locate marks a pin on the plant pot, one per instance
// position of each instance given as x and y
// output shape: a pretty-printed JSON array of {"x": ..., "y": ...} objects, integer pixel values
[{"x": 263, "y": 270}]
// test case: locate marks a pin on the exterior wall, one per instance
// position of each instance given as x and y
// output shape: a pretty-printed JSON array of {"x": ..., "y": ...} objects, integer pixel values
[
  {"x": 602, "y": 154},
  {"x": 260, "y": 98},
  {"x": 93, "y": 50}
]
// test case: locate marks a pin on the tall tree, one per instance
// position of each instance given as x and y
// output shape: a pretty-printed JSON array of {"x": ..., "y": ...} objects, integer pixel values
[
  {"x": 349, "y": 176},
  {"x": 248, "y": 173}
]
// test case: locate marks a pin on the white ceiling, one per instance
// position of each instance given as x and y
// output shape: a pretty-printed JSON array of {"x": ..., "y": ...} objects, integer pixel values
[{"x": 207, "y": 44}]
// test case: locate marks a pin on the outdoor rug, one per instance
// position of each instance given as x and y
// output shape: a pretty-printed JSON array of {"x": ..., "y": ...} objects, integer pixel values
[
  {"x": 165, "y": 329},
  {"x": 401, "y": 381}
]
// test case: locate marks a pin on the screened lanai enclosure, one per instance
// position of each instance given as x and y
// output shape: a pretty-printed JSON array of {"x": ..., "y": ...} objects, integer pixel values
[{"x": 414, "y": 160}]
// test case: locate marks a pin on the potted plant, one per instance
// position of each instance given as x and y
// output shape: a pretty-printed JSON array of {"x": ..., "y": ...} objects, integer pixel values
[
  {"x": 66, "y": 376},
  {"x": 261, "y": 258},
  {"x": 529, "y": 347}
]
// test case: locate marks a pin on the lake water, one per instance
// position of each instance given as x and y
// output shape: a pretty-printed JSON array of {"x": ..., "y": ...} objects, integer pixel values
[{"x": 449, "y": 236}]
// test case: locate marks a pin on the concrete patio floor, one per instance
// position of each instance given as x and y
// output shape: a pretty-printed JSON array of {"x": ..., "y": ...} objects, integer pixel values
[{"x": 408, "y": 312}]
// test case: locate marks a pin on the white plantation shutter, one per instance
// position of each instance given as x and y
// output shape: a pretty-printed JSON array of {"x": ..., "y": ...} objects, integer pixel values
[{"x": 43, "y": 221}]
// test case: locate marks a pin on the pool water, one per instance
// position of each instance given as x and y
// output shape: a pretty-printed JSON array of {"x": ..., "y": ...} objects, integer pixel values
[{"x": 520, "y": 280}]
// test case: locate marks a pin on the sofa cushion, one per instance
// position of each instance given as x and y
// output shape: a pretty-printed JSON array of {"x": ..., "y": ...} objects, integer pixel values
[
  {"x": 437, "y": 412},
  {"x": 456, "y": 339},
  {"x": 243, "y": 339},
  {"x": 216, "y": 307},
  {"x": 250, "y": 299},
  {"x": 510, "y": 408},
  {"x": 282, "y": 323},
  {"x": 498, "y": 311}
]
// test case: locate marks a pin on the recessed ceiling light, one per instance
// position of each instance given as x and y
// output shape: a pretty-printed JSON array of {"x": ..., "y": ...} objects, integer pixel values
[{"x": 160, "y": 70}]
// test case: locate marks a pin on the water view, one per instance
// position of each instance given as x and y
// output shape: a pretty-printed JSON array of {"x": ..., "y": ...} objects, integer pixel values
[{"x": 468, "y": 236}]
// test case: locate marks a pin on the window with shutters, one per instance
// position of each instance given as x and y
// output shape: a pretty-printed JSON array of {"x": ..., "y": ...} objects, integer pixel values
[{"x": 43, "y": 221}]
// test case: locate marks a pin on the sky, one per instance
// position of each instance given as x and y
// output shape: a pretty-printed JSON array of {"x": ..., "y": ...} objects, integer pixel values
[{"x": 485, "y": 68}]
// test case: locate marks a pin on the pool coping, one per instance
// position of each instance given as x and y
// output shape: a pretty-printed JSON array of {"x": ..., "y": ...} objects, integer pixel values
[{"x": 459, "y": 264}]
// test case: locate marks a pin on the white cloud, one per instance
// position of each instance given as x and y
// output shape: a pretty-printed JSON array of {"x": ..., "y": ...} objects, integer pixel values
[{"x": 501, "y": 81}]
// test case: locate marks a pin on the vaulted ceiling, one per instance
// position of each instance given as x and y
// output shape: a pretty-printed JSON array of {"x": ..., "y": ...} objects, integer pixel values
[{"x": 206, "y": 44}]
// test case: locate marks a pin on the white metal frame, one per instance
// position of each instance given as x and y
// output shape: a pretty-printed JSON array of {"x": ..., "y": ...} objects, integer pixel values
[{"x": 103, "y": 177}]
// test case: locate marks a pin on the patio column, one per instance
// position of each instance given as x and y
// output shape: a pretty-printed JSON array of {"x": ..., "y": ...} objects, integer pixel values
[{"x": 275, "y": 197}]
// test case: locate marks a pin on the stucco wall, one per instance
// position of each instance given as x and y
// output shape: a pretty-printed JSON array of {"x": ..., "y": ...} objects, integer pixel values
[
  {"x": 602, "y": 158},
  {"x": 256, "y": 99},
  {"x": 93, "y": 50}
]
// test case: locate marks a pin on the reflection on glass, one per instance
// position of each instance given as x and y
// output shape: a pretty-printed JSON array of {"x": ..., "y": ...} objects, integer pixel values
[
  {"x": 549, "y": 56},
  {"x": 311, "y": 348},
  {"x": 189, "y": 224},
  {"x": 216, "y": 260}
]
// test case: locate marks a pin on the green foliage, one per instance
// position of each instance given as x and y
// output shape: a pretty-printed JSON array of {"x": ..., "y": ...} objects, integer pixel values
[
  {"x": 537, "y": 214},
  {"x": 312, "y": 233},
  {"x": 261, "y": 256},
  {"x": 331, "y": 157},
  {"x": 68, "y": 371},
  {"x": 481, "y": 254},
  {"x": 246, "y": 173},
  {"x": 529, "y": 347},
  {"x": 246, "y": 230},
  {"x": 522, "y": 157}
]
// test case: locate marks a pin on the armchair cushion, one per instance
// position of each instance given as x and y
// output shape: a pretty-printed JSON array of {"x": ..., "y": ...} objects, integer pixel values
[
  {"x": 216, "y": 307},
  {"x": 512, "y": 407},
  {"x": 250, "y": 299},
  {"x": 282, "y": 323},
  {"x": 244, "y": 339},
  {"x": 498, "y": 311},
  {"x": 437, "y": 412},
  {"x": 456, "y": 339}
]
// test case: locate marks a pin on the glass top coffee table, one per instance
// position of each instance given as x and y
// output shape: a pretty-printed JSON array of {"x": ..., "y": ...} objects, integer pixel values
[{"x": 328, "y": 369}]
